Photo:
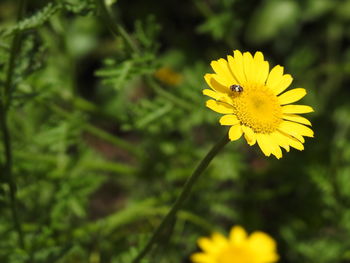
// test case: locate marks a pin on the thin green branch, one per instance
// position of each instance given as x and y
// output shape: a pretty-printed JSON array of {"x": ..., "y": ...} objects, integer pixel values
[
  {"x": 4, "y": 107},
  {"x": 165, "y": 94},
  {"x": 9, "y": 177},
  {"x": 119, "y": 30},
  {"x": 97, "y": 165},
  {"x": 112, "y": 139},
  {"x": 15, "y": 46},
  {"x": 190, "y": 217},
  {"x": 89, "y": 107},
  {"x": 182, "y": 198},
  {"x": 100, "y": 133},
  {"x": 114, "y": 27},
  {"x": 110, "y": 167},
  {"x": 34, "y": 21}
]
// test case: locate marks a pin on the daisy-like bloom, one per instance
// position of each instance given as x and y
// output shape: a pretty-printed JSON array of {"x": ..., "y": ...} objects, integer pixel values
[
  {"x": 238, "y": 248},
  {"x": 254, "y": 103}
]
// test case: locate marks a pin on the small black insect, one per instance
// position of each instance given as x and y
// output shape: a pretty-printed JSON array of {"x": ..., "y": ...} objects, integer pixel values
[{"x": 236, "y": 88}]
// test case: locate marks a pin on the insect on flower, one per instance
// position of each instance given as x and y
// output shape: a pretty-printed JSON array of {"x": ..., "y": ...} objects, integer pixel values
[{"x": 236, "y": 88}]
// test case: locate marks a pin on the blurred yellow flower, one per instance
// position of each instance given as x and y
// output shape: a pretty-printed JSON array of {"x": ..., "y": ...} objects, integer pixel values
[
  {"x": 168, "y": 76},
  {"x": 252, "y": 99},
  {"x": 238, "y": 248}
]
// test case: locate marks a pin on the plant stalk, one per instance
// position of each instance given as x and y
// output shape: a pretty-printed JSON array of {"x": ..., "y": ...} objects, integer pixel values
[
  {"x": 114, "y": 27},
  {"x": 100, "y": 133},
  {"x": 9, "y": 178},
  {"x": 4, "y": 108},
  {"x": 117, "y": 30},
  {"x": 169, "y": 96},
  {"x": 182, "y": 197}
]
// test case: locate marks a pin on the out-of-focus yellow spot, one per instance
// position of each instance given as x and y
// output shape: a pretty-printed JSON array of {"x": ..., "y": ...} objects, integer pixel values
[{"x": 168, "y": 76}]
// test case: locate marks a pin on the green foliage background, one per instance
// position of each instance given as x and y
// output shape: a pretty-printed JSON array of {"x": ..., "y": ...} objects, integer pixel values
[{"x": 101, "y": 148}]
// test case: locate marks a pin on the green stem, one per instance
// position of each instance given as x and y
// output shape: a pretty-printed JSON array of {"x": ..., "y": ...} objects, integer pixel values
[
  {"x": 169, "y": 96},
  {"x": 113, "y": 139},
  {"x": 183, "y": 196},
  {"x": 98, "y": 165},
  {"x": 100, "y": 133},
  {"x": 4, "y": 107},
  {"x": 89, "y": 107},
  {"x": 110, "y": 167},
  {"x": 9, "y": 176},
  {"x": 15, "y": 46},
  {"x": 204, "y": 8},
  {"x": 114, "y": 27},
  {"x": 119, "y": 30}
]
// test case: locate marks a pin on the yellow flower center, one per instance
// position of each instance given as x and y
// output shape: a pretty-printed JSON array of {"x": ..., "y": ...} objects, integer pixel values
[
  {"x": 257, "y": 108},
  {"x": 235, "y": 254}
]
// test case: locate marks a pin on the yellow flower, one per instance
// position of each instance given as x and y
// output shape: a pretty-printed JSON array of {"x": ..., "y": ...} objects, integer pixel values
[
  {"x": 238, "y": 248},
  {"x": 168, "y": 76},
  {"x": 252, "y": 99}
]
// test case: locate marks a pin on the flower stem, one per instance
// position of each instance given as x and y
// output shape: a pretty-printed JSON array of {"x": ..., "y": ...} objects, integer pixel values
[
  {"x": 99, "y": 132},
  {"x": 182, "y": 197},
  {"x": 9, "y": 176},
  {"x": 117, "y": 30},
  {"x": 5, "y": 104},
  {"x": 114, "y": 27},
  {"x": 169, "y": 96}
]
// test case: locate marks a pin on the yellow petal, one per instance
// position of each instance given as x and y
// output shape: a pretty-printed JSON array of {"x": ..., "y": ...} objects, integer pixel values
[
  {"x": 218, "y": 96},
  {"x": 261, "y": 68},
  {"x": 249, "y": 135},
  {"x": 212, "y": 94},
  {"x": 296, "y": 118},
  {"x": 236, "y": 65},
  {"x": 264, "y": 247},
  {"x": 290, "y": 141},
  {"x": 202, "y": 258},
  {"x": 286, "y": 80},
  {"x": 299, "y": 138},
  {"x": 237, "y": 235},
  {"x": 235, "y": 132},
  {"x": 268, "y": 145},
  {"x": 219, "y": 240},
  {"x": 279, "y": 138},
  {"x": 293, "y": 129},
  {"x": 219, "y": 107},
  {"x": 223, "y": 72},
  {"x": 229, "y": 120},
  {"x": 262, "y": 241},
  {"x": 226, "y": 99},
  {"x": 274, "y": 77},
  {"x": 248, "y": 66},
  {"x": 263, "y": 144},
  {"x": 290, "y": 132},
  {"x": 297, "y": 109},
  {"x": 275, "y": 148},
  {"x": 291, "y": 96},
  {"x": 205, "y": 244},
  {"x": 214, "y": 84}
]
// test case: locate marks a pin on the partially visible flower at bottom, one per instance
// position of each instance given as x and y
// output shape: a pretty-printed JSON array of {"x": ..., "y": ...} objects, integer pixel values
[{"x": 237, "y": 248}]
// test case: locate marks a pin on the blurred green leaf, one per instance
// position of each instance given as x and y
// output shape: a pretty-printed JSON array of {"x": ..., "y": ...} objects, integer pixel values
[{"x": 272, "y": 18}]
